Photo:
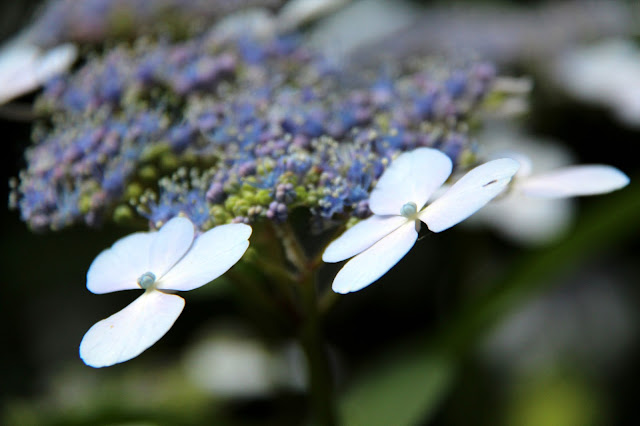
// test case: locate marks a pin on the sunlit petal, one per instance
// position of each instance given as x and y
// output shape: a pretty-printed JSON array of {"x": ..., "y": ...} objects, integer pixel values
[
  {"x": 374, "y": 262},
  {"x": 210, "y": 256},
  {"x": 575, "y": 181},
  {"x": 361, "y": 236},
  {"x": 412, "y": 177},
  {"x": 469, "y": 194},
  {"x": 128, "y": 333}
]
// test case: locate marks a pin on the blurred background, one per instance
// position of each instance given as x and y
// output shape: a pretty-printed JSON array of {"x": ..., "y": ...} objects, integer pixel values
[{"x": 495, "y": 328}]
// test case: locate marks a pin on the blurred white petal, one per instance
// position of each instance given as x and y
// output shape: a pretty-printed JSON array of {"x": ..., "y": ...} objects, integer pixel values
[
  {"x": 526, "y": 220},
  {"x": 360, "y": 23},
  {"x": 25, "y": 67},
  {"x": 296, "y": 13},
  {"x": 256, "y": 21},
  {"x": 575, "y": 181},
  {"x": 607, "y": 73},
  {"x": 523, "y": 219}
]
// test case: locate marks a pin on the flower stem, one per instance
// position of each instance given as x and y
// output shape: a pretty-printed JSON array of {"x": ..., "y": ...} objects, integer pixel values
[
  {"x": 311, "y": 333},
  {"x": 320, "y": 374},
  {"x": 292, "y": 248}
]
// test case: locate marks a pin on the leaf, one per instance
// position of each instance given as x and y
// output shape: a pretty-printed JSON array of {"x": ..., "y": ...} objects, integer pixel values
[{"x": 400, "y": 389}]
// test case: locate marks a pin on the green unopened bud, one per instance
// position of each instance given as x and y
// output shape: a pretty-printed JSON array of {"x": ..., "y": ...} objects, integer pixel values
[
  {"x": 133, "y": 190},
  {"x": 122, "y": 214},
  {"x": 84, "y": 203},
  {"x": 169, "y": 161},
  {"x": 263, "y": 197},
  {"x": 148, "y": 173}
]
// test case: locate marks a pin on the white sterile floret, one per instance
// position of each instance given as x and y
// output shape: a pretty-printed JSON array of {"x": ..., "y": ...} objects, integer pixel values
[
  {"x": 574, "y": 181},
  {"x": 606, "y": 73},
  {"x": 379, "y": 242},
  {"x": 171, "y": 259},
  {"x": 24, "y": 67},
  {"x": 535, "y": 210}
]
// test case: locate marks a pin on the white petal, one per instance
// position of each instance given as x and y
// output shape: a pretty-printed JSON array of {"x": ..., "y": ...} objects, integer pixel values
[
  {"x": 574, "y": 181},
  {"x": 527, "y": 220},
  {"x": 374, "y": 262},
  {"x": 17, "y": 59},
  {"x": 469, "y": 194},
  {"x": 128, "y": 333},
  {"x": 210, "y": 256},
  {"x": 170, "y": 243},
  {"x": 524, "y": 160},
  {"x": 412, "y": 177},
  {"x": 55, "y": 61},
  {"x": 24, "y": 67},
  {"x": 361, "y": 236},
  {"x": 119, "y": 267},
  {"x": 296, "y": 13}
]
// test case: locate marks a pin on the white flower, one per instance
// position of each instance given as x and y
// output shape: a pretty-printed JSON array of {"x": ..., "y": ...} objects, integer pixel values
[
  {"x": 536, "y": 208},
  {"x": 25, "y": 67},
  {"x": 607, "y": 73},
  {"x": 383, "y": 239},
  {"x": 170, "y": 259}
]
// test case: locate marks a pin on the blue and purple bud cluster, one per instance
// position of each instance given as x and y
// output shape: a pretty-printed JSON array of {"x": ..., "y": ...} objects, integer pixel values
[{"x": 234, "y": 130}]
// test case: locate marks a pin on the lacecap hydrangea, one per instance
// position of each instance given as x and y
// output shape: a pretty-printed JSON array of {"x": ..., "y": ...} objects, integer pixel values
[{"x": 221, "y": 129}]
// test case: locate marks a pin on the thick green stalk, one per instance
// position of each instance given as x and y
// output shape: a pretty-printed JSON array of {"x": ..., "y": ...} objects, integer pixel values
[
  {"x": 320, "y": 374},
  {"x": 311, "y": 333}
]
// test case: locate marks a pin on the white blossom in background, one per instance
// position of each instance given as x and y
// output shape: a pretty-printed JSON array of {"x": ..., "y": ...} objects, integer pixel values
[
  {"x": 537, "y": 207},
  {"x": 233, "y": 364},
  {"x": 591, "y": 320},
  {"x": 606, "y": 73},
  {"x": 296, "y": 13},
  {"x": 172, "y": 258},
  {"x": 360, "y": 23},
  {"x": 379, "y": 242},
  {"x": 24, "y": 67},
  {"x": 524, "y": 220}
]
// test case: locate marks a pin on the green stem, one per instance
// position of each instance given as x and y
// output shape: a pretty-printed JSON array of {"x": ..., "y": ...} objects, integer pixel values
[
  {"x": 259, "y": 299},
  {"x": 320, "y": 374},
  {"x": 292, "y": 248},
  {"x": 276, "y": 272},
  {"x": 311, "y": 331}
]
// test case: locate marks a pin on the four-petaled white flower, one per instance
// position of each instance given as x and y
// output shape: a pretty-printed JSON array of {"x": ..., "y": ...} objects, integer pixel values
[
  {"x": 536, "y": 208},
  {"x": 171, "y": 259},
  {"x": 379, "y": 242}
]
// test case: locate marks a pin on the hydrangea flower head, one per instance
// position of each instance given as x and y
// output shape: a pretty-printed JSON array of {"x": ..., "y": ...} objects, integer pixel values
[
  {"x": 173, "y": 258},
  {"x": 397, "y": 201},
  {"x": 226, "y": 129}
]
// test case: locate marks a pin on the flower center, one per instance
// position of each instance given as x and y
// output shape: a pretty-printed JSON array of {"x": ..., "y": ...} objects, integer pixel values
[
  {"x": 146, "y": 280},
  {"x": 409, "y": 210}
]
